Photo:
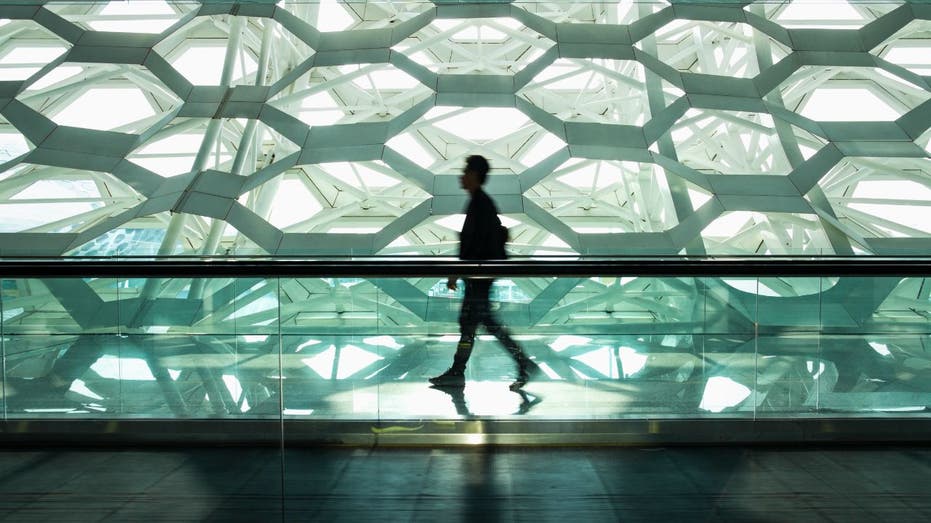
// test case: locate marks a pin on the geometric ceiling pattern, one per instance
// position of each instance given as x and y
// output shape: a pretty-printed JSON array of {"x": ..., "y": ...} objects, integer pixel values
[{"x": 327, "y": 128}]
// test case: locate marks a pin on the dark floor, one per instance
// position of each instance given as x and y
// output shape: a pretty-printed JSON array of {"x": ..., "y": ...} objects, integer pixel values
[{"x": 468, "y": 484}]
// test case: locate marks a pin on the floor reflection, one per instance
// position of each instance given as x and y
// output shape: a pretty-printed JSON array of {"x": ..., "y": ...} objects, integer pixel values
[{"x": 458, "y": 397}]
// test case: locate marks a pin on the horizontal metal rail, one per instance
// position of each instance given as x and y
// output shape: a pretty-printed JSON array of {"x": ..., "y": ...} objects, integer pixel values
[{"x": 378, "y": 267}]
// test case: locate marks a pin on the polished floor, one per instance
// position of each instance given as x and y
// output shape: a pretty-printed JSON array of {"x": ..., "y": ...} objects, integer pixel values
[{"x": 468, "y": 484}]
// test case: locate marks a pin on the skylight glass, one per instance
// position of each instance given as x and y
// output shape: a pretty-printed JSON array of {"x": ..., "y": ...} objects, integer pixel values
[
  {"x": 716, "y": 48},
  {"x": 728, "y": 142},
  {"x": 23, "y": 217},
  {"x": 916, "y": 58},
  {"x": 22, "y": 60},
  {"x": 175, "y": 154},
  {"x": 483, "y": 124},
  {"x": 359, "y": 175},
  {"x": 351, "y": 94},
  {"x": 12, "y": 145},
  {"x": 106, "y": 109},
  {"x": 566, "y": 136},
  {"x": 293, "y": 203},
  {"x": 593, "y": 90},
  {"x": 56, "y": 76},
  {"x": 813, "y": 14},
  {"x": 148, "y": 16},
  {"x": 835, "y": 104},
  {"x": 474, "y": 46},
  {"x": 202, "y": 63}
]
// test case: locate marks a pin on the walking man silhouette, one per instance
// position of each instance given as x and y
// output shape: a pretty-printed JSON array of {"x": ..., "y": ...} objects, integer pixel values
[{"x": 480, "y": 239}]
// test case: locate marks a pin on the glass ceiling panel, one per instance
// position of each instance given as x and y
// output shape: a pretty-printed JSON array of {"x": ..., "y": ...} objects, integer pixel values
[
  {"x": 595, "y": 90},
  {"x": 199, "y": 48},
  {"x": 615, "y": 12},
  {"x": 351, "y": 94},
  {"x": 830, "y": 93},
  {"x": 750, "y": 232},
  {"x": 475, "y": 46},
  {"x": 334, "y": 15},
  {"x": 909, "y": 47},
  {"x": 12, "y": 144},
  {"x": 885, "y": 197},
  {"x": 145, "y": 16},
  {"x": 122, "y": 98},
  {"x": 445, "y": 135},
  {"x": 26, "y": 48},
  {"x": 718, "y": 48},
  {"x": 603, "y": 196},
  {"x": 818, "y": 14}
]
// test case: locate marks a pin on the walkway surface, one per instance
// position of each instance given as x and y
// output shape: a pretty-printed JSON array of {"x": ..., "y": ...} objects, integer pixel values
[{"x": 468, "y": 484}]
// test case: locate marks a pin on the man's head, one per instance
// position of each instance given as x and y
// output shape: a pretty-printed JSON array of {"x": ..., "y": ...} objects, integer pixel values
[{"x": 474, "y": 173}]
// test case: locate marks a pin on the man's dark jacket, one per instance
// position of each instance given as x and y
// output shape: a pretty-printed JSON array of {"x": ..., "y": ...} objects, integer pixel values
[{"x": 480, "y": 238}]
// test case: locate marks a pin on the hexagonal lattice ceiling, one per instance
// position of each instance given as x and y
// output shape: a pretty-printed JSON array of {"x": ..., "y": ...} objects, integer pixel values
[
  {"x": 727, "y": 142},
  {"x": 868, "y": 93},
  {"x": 327, "y": 127},
  {"x": 54, "y": 199},
  {"x": 595, "y": 90},
  {"x": 718, "y": 48},
  {"x": 351, "y": 93},
  {"x": 444, "y": 136},
  {"x": 74, "y": 94},
  {"x": 208, "y": 48},
  {"x": 607, "y": 196},
  {"x": 150, "y": 16},
  {"x": 621, "y": 12},
  {"x": 475, "y": 46},
  {"x": 27, "y": 48},
  {"x": 909, "y": 47},
  {"x": 801, "y": 14}
]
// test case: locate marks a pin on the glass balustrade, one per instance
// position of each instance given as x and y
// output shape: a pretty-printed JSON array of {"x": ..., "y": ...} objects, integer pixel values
[{"x": 356, "y": 348}]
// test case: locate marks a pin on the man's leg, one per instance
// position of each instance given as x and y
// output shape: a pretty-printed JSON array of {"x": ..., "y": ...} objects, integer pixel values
[
  {"x": 468, "y": 323},
  {"x": 524, "y": 365}
]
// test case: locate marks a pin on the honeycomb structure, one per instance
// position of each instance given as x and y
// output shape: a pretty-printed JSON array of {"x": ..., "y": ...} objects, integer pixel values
[{"x": 310, "y": 128}]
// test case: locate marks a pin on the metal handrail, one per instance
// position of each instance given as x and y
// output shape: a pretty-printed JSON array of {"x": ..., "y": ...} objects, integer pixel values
[{"x": 379, "y": 267}]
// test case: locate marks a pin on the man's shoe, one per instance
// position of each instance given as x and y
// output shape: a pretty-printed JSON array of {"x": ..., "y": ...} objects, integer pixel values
[
  {"x": 526, "y": 402},
  {"x": 526, "y": 373},
  {"x": 449, "y": 378},
  {"x": 519, "y": 383}
]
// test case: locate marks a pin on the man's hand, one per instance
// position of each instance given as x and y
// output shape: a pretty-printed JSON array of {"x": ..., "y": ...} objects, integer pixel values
[{"x": 451, "y": 283}]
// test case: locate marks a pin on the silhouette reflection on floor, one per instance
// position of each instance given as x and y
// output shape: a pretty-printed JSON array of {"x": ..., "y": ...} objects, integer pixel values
[{"x": 457, "y": 395}]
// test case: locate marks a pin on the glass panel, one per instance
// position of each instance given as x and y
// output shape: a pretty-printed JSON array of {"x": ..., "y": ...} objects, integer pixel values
[
  {"x": 54, "y": 329},
  {"x": 793, "y": 370},
  {"x": 331, "y": 353},
  {"x": 199, "y": 348},
  {"x": 724, "y": 377},
  {"x": 364, "y": 349},
  {"x": 878, "y": 340},
  {"x": 790, "y": 370},
  {"x": 605, "y": 347},
  {"x": 416, "y": 331},
  {"x": 151, "y": 348}
]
